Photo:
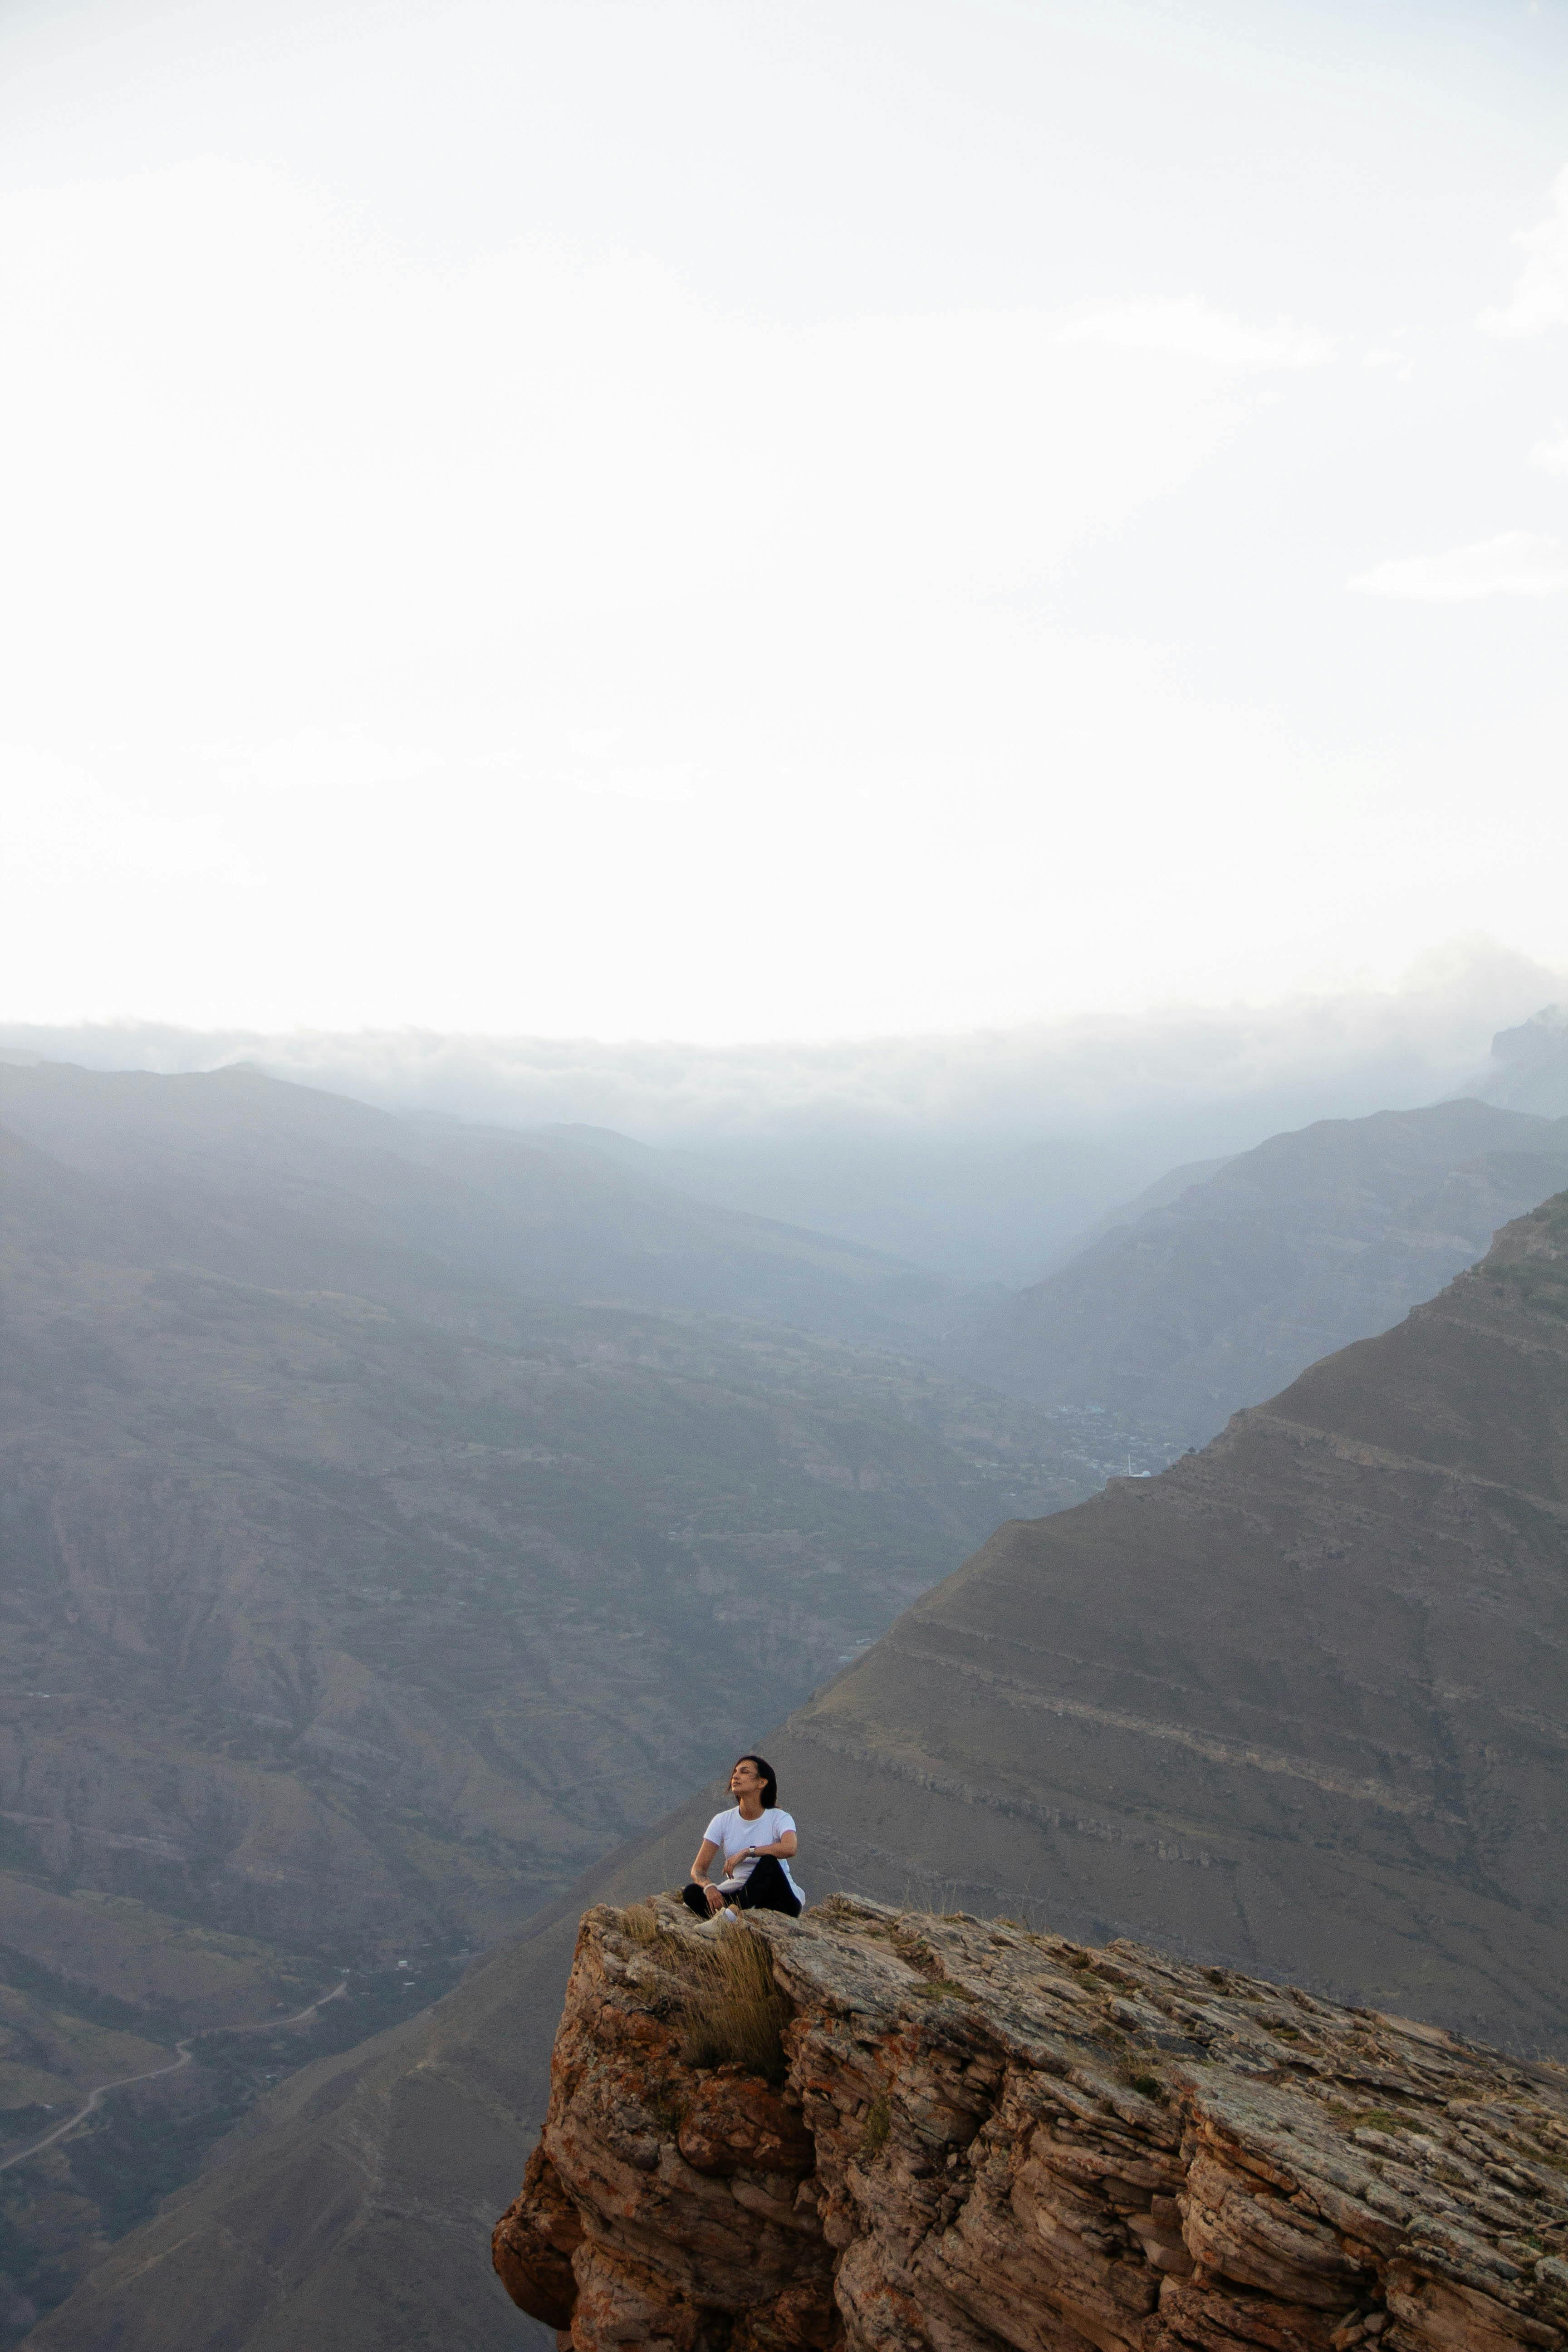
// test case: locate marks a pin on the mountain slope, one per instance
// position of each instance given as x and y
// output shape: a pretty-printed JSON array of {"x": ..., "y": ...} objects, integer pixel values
[
  {"x": 1295, "y": 1705},
  {"x": 1298, "y": 1701},
  {"x": 359, "y": 1576},
  {"x": 310, "y": 1531},
  {"x": 1312, "y": 1240}
]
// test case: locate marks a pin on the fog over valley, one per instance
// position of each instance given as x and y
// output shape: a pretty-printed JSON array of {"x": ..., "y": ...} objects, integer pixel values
[{"x": 982, "y": 1156}]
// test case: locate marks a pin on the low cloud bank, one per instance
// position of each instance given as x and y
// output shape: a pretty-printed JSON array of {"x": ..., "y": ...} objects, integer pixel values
[{"x": 1219, "y": 1076}]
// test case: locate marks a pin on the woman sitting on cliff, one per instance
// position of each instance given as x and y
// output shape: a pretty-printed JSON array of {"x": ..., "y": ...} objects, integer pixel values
[{"x": 756, "y": 1841}]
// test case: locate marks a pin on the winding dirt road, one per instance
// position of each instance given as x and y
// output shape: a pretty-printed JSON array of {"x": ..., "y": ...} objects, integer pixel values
[{"x": 151, "y": 2074}]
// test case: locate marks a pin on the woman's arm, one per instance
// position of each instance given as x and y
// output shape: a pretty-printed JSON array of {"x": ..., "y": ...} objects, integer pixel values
[
  {"x": 705, "y": 1853},
  {"x": 783, "y": 1846}
]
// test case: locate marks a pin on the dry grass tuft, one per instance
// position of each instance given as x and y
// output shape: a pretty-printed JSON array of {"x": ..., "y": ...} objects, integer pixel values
[
  {"x": 722, "y": 1993},
  {"x": 640, "y": 1922},
  {"x": 733, "y": 2012}
]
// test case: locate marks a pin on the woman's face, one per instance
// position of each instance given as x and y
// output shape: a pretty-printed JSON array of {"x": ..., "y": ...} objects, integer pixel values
[{"x": 745, "y": 1781}]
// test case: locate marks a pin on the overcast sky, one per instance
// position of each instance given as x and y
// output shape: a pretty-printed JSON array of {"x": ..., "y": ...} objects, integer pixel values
[{"x": 748, "y": 519}]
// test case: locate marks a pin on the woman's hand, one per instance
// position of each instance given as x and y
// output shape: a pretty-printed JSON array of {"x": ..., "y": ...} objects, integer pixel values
[{"x": 715, "y": 1900}]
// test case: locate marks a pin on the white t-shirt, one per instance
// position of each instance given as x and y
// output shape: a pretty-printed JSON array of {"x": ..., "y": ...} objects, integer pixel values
[{"x": 732, "y": 1835}]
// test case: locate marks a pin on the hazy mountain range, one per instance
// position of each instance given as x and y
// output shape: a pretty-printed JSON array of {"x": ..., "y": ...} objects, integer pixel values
[
  {"x": 1295, "y": 1705},
  {"x": 983, "y": 1155},
  {"x": 400, "y": 1513},
  {"x": 395, "y": 1517}
]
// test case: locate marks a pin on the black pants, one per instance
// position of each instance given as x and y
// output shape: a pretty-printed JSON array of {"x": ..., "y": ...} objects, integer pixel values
[{"x": 765, "y": 1889}]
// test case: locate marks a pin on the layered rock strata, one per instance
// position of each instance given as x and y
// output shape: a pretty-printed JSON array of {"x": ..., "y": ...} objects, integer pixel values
[{"x": 980, "y": 2137}]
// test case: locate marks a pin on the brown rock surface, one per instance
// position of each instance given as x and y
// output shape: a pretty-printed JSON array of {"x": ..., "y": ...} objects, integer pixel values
[{"x": 985, "y": 2137}]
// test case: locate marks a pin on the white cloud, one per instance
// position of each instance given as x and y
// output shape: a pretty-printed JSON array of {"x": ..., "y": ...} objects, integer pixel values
[
  {"x": 64, "y": 832},
  {"x": 320, "y": 759},
  {"x": 673, "y": 781},
  {"x": 443, "y": 462},
  {"x": 1196, "y": 331},
  {"x": 1553, "y": 455},
  {"x": 602, "y": 777},
  {"x": 1540, "y": 299},
  {"x": 1514, "y": 563}
]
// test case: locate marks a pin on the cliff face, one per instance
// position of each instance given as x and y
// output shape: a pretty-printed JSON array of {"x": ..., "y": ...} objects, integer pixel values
[{"x": 978, "y": 2136}]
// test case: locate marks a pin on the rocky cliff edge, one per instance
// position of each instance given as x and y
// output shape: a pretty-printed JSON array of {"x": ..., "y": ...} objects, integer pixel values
[{"x": 879, "y": 2129}]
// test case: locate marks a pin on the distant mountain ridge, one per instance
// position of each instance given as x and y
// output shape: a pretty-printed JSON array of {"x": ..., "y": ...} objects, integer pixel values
[
  {"x": 1297, "y": 1705},
  {"x": 981, "y": 1156},
  {"x": 1210, "y": 1300},
  {"x": 1158, "y": 1195},
  {"x": 309, "y": 1181},
  {"x": 1529, "y": 1065}
]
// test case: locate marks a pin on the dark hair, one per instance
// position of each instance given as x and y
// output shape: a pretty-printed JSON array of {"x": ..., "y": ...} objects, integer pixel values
[{"x": 770, "y": 1785}]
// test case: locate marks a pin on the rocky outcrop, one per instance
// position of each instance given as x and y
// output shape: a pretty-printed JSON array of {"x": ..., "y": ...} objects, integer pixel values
[{"x": 976, "y": 2136}]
